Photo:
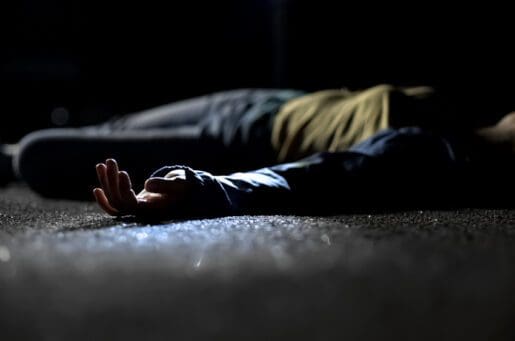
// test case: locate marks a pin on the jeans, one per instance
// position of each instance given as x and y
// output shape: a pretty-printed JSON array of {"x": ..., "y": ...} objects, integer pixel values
[{"x": 220, "y": 132}]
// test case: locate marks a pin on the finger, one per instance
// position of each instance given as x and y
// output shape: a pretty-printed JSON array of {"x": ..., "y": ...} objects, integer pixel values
[
  {"x": 127, "y": 195},
  {"x": 151, "y": 197},
  {"x": 103, "y": 202},
  {"x": 102, "y": 177},
  {"x": 101, "y": 174},
  {"x": 113, "y": 184},
  {"x": 163, "y": 185}
]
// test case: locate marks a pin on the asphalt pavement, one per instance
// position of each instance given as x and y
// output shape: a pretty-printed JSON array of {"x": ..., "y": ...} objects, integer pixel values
[{"x": 69, "y": 272}]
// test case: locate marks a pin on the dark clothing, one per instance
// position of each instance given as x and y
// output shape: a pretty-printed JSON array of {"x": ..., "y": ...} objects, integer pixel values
[
  {"x": 222, "y": 132},
  {"x": 396, "y": 169},
  {"x": 230, "y": 131}
]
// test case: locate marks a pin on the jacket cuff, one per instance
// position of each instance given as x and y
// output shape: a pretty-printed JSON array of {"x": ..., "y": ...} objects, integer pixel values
[{"x": 208, "y": 197}]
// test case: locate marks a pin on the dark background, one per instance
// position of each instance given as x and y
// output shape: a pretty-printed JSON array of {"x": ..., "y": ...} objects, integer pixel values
[{"x": 76, "y": 62}]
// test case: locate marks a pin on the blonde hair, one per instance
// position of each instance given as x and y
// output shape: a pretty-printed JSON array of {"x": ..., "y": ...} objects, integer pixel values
[{"x": 333, "y": 120}]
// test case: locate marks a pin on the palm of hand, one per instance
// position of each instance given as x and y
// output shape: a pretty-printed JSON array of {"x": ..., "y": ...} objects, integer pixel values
[{"x": 116, "y": 196}]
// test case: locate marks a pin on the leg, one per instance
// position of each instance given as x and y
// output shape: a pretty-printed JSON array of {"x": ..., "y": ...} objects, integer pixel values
[
  {"x": 60, "y": 162},
  {"x": 187, "y": 112},
  {"x": 191, "y": 112}
]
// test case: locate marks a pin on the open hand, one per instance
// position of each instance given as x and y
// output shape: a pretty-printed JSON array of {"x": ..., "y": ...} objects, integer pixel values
[{"x": 117, "y": 198}]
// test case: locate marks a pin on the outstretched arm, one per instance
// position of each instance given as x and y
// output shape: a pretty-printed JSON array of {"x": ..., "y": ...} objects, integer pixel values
[{"x": 407, "y": 161}]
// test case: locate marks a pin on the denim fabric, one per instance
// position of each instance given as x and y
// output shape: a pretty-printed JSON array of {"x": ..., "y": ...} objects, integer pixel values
[{"x": 220, "y": 133}]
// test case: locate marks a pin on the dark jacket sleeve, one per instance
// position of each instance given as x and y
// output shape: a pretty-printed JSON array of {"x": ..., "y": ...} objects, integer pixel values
[{"x": 396, "y": 168}]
